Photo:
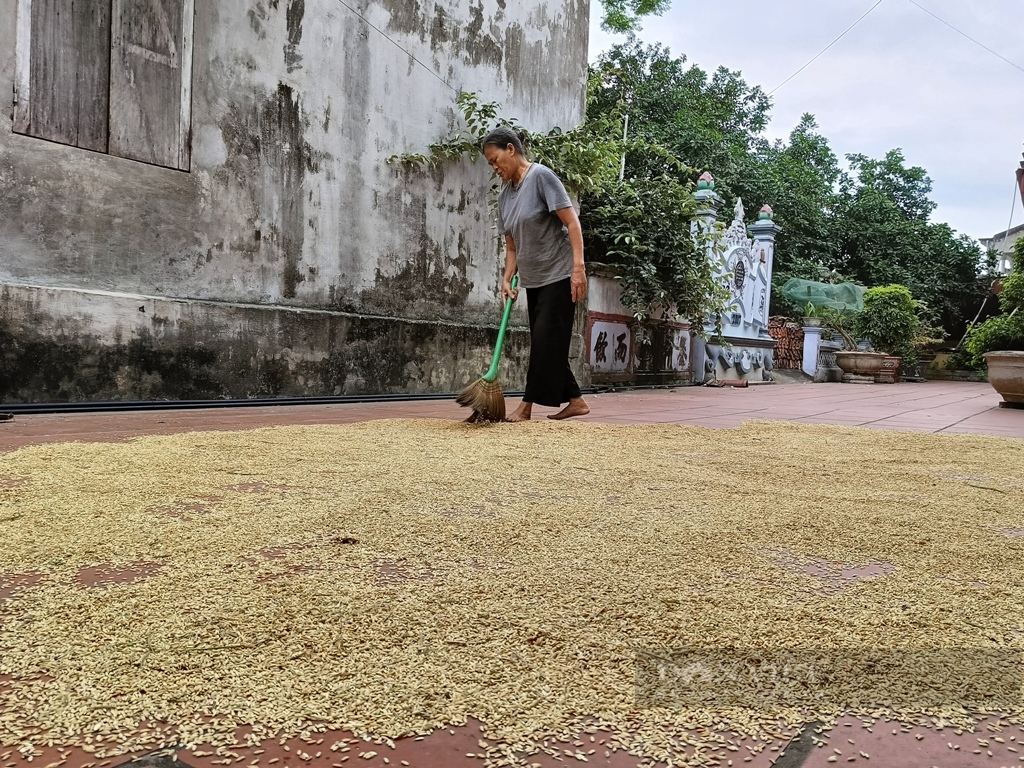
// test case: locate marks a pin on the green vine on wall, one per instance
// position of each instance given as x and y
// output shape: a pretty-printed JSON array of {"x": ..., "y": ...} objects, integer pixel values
[{"x": 586, "y": 158}]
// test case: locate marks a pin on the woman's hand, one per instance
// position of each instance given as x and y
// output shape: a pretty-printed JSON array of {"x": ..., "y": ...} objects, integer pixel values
[
  {"x": 507, "y": 291},
  {"x": 511, "y": 268},
  {"x": 578, "y": 282},
  {"x": 571, "y": 222}
]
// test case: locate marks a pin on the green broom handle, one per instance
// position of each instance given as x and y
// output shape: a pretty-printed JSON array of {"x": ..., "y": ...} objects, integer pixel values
[{"x": 492, "y": 372}]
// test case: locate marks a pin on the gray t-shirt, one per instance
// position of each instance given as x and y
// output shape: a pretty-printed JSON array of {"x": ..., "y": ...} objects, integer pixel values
[{"x": 543, "y": 251}]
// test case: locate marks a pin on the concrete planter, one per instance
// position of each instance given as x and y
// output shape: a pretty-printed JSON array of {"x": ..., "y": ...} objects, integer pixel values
[
  {"x": 860, "y": 367},
  {"x": 1006, "y": 375}
]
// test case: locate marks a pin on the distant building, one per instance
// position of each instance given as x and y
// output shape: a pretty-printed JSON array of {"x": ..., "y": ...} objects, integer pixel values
[
  {"x": 1003, "y": 242},
  {"x": 1020, "y": 180}
]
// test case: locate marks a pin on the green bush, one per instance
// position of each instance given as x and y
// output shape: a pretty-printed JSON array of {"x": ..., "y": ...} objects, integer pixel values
[
  {"x": 641, "y": 228},
  {"x": 889, "y": 320},
  {"x": 997, "y": 333},
  {"x": 1005, "y": 331},
  {"x": 1012, "y": 297}
]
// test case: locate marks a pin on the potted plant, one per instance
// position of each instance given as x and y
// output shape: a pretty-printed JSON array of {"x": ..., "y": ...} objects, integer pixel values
[
  {"x": 999, "y": 341},
  {"x": 926, "y": 343},
  {"x": 810, "y": 318},
  {"x": 890, "y": 320},
  {"x": 858, "y": 366},
  {"x": 839, "y": 325}
]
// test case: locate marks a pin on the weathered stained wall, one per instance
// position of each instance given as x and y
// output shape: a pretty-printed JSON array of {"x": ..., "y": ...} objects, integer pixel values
[{"x": 291, "y": 239}]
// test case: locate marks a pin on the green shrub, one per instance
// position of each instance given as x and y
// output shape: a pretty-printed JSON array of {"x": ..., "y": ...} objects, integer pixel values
[
  {"x": 1005, "y": 331},
  {"x": 997, "y": 333},
  {"x": 641, "y": 228},
  {"x": 1012, "y": 297},
  {"x": 889, "y": 319}
]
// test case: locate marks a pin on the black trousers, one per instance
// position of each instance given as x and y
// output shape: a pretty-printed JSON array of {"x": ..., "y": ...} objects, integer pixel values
[{"x": 549, "y": 380}]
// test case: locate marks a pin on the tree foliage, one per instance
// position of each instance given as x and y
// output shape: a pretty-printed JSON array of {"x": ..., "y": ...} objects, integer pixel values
[
  {"x": 626, "y": 15},
  {"x": 867, "y": 219},
  {"x": 709, "y": 121},
  {"x": 1004, "y": 331},
  {"x": 885, "y": 236},
  {"x": 641, "y": 228}
]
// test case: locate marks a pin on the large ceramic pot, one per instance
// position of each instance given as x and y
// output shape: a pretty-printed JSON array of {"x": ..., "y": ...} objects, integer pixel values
[
  {"x": 860, "y": 367},
  {"x": 1006, "y": 375}
]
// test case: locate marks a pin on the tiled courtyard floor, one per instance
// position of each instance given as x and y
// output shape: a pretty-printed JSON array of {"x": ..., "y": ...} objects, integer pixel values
[
  {"x": 932, "y": 406},
  {"x": 938, "y": 407}
]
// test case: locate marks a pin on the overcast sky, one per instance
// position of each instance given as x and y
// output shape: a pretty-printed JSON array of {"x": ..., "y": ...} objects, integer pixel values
[{"x": 900, "y": 78}]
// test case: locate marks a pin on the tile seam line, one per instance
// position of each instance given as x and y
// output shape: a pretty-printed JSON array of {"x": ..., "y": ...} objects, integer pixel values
[
  {"x": 965, "y": 418},
  {"x": 897, "y": 415}
]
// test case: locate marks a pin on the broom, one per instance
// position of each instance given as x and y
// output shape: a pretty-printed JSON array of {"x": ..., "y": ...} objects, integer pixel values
[{"x": 484, "y": 395}]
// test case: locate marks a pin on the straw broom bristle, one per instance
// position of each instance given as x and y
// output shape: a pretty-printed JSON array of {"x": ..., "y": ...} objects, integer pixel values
[{"x": 486, "y": 400}]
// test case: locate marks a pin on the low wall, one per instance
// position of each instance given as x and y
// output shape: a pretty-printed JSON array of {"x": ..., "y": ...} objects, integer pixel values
[
  {"x": 60, "y": 345},
  {"x": 614, "y": 352}
]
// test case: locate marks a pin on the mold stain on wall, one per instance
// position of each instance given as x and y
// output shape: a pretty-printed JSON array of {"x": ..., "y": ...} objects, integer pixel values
[
  {"x": 257, "y": 17},
  {"x": 267, "y": 162},
  {"x": 293, "y": 14},
  {"x": 241, "y": 353}
]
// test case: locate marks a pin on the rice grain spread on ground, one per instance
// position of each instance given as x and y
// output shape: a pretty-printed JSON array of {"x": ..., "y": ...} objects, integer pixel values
[{"x": 393, "y": 577}]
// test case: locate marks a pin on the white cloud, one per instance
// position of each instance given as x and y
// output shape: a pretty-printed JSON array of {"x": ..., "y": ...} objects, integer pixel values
[{"x": 899, "y": 79}]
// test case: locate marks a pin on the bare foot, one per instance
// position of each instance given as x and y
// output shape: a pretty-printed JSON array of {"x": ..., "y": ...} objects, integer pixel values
[
  {"x": 576, "y": 407},
  {"x": 523, "y": 413}
]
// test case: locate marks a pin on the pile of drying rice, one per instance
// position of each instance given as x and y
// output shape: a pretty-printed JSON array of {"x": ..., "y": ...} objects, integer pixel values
[{"x": 395, "y": 576}]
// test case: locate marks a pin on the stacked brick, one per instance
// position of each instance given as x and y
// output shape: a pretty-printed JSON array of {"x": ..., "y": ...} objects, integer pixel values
[{"x": 789, "y": 337}]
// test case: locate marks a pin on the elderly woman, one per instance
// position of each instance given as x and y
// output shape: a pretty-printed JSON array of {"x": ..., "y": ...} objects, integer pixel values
[{"x": 544, "y": 243}]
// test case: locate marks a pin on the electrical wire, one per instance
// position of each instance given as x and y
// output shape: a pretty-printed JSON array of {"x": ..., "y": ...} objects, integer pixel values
[
  {"x": 959, "y": 32},
  {"x": 397, "y": 45},
  {"x": 820, "y": 53}
]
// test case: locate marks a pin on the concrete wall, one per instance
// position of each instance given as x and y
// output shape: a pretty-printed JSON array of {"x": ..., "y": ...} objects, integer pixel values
[{"x": 291, "y": 245}]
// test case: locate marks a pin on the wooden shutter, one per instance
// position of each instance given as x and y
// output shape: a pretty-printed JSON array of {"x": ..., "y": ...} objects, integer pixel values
[
  {"x": 150, "y": 81},
  {"x": 63, "y": 71}
]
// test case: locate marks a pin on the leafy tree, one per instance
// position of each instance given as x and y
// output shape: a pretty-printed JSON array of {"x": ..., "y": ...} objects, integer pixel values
[
  {"x": 716, "y": 122},
  {"x": 870, "y": 223},
  {"x": 641, "y": 227},
  {"x": 708, "y": 121},
  {"x": 625, "y": 15},
  {"x": 800, "y": 178},
  {"x": 886, "y": 237}
]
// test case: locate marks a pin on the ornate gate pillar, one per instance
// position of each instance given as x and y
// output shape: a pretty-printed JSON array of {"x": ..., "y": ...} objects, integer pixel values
[{"x": 746, "y": 349}]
